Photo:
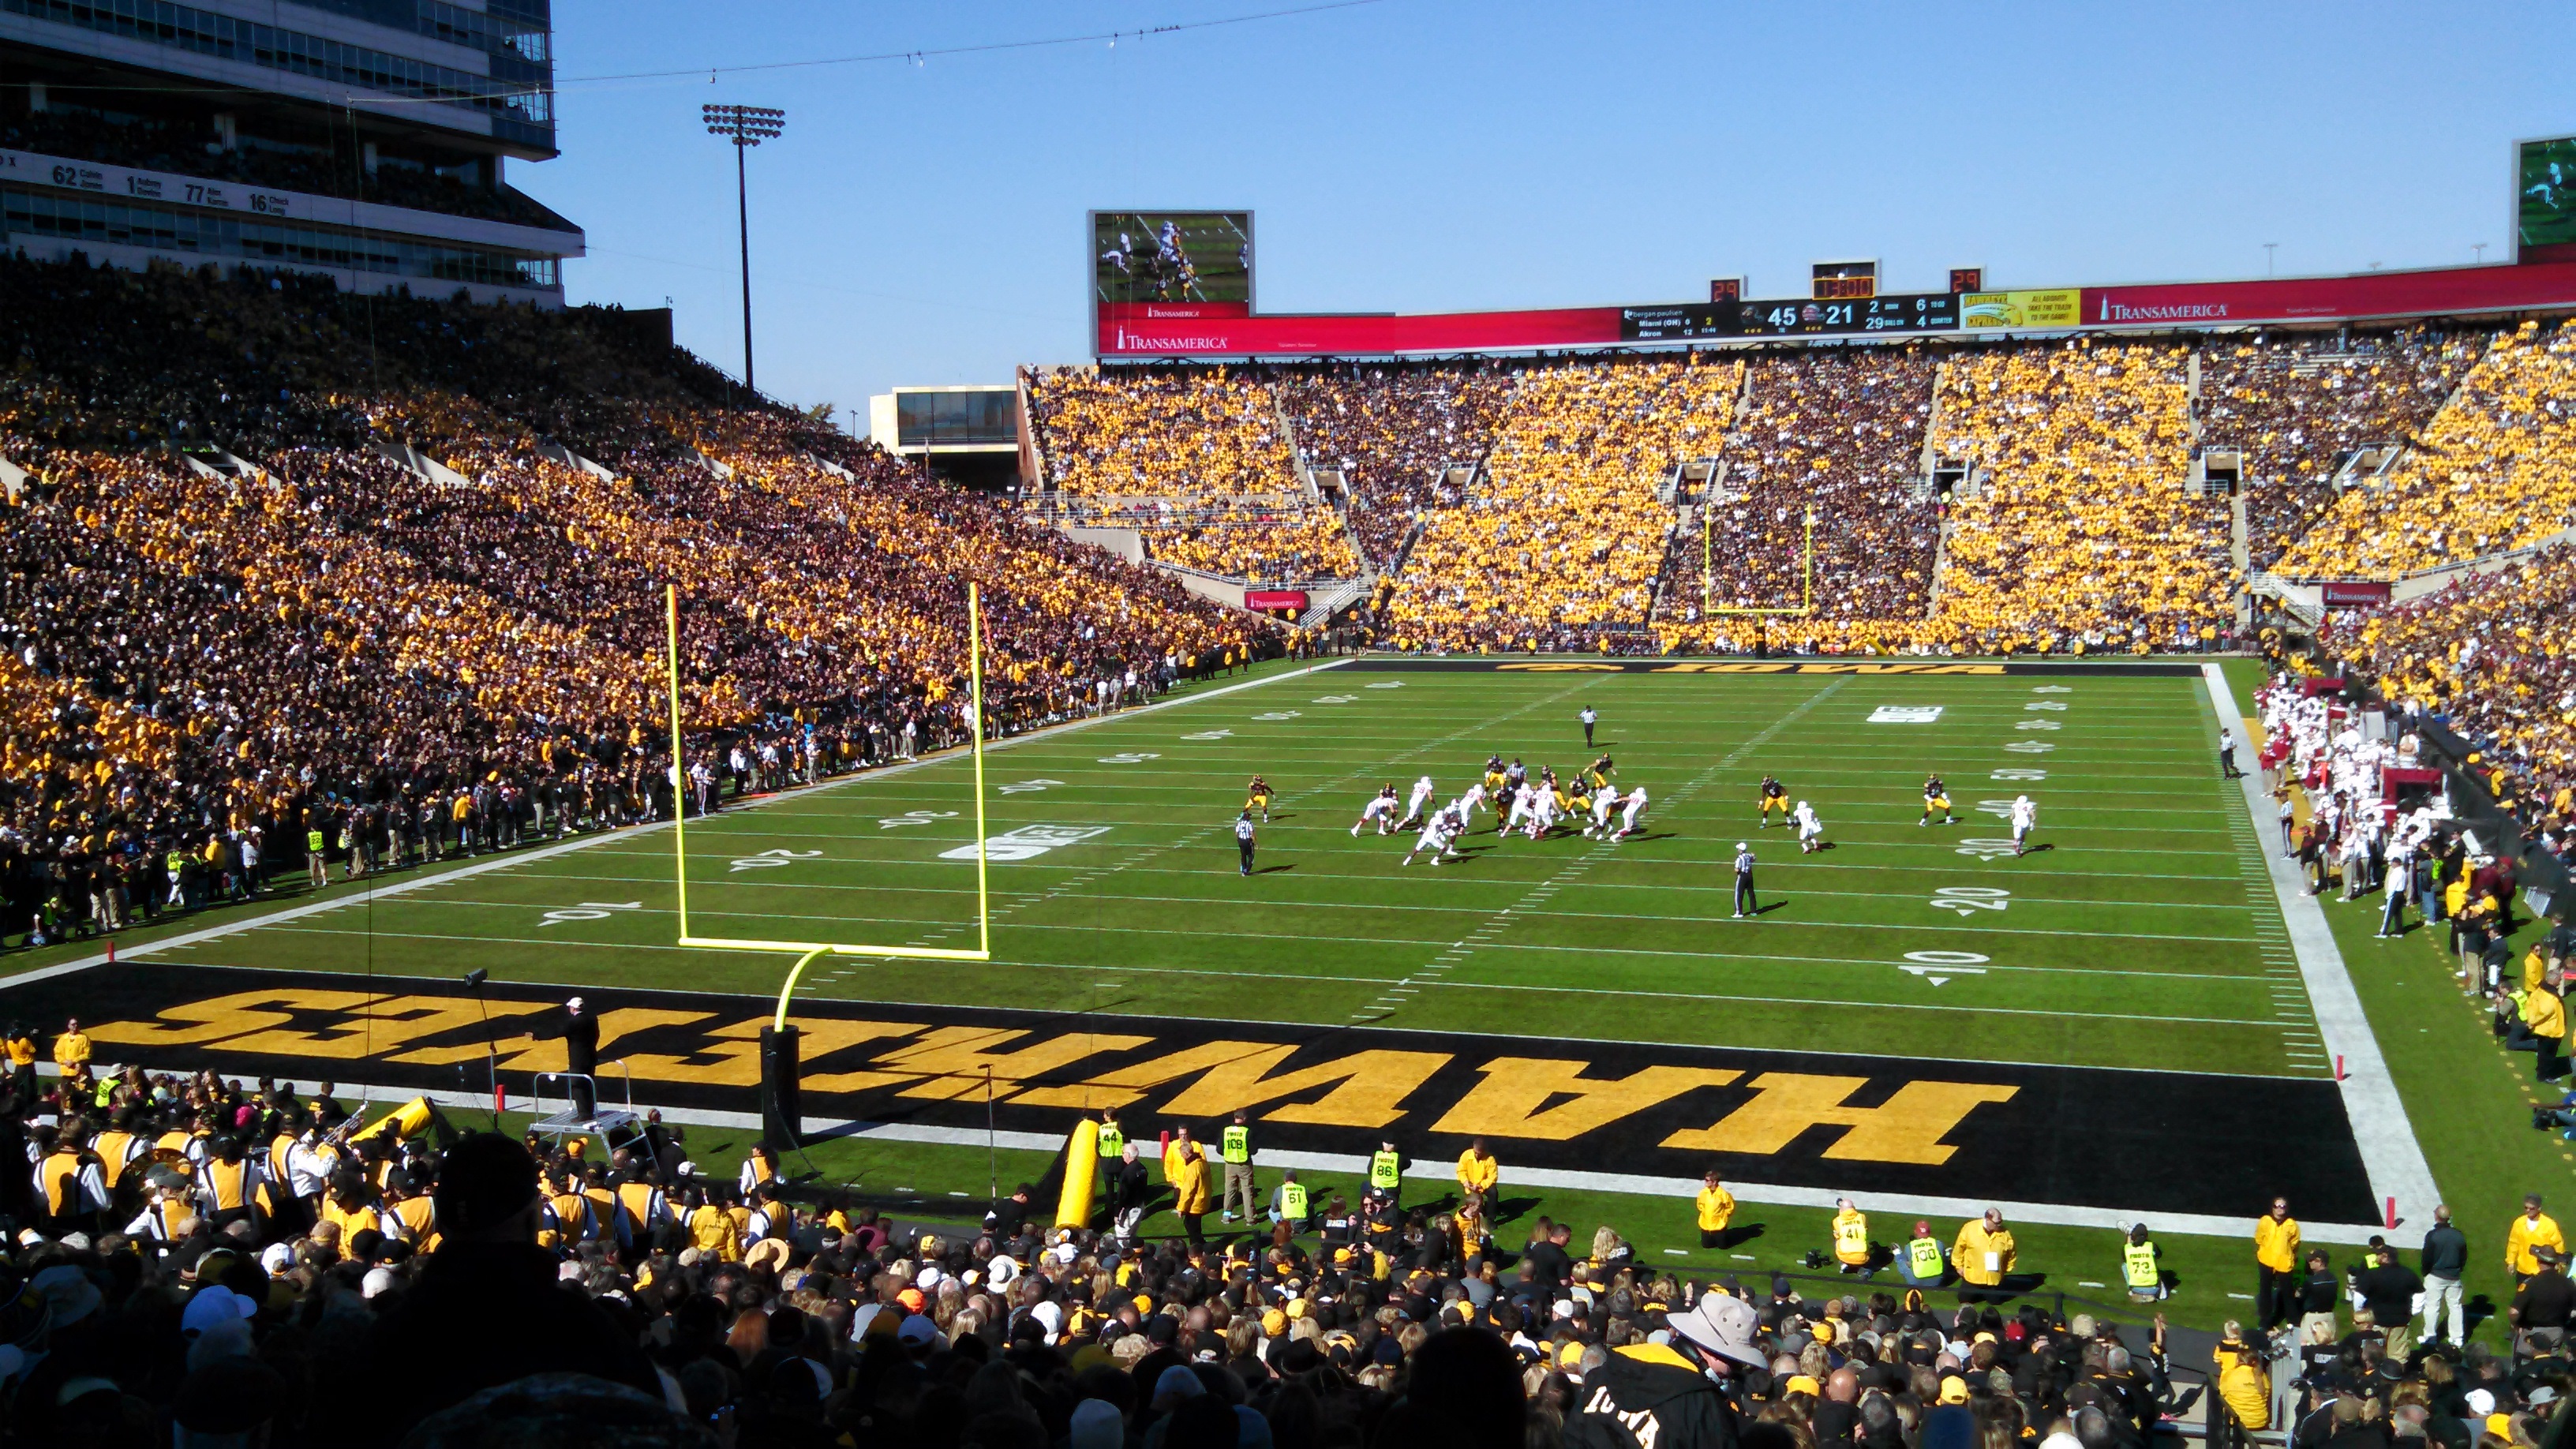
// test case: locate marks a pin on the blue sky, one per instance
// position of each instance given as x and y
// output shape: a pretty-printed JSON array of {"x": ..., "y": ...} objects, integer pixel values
[{"x": 922, "y": 223}]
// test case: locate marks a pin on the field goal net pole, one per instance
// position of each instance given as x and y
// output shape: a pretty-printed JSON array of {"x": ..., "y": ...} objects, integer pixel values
[
  {"x": 808, "y": 952},
  {"x": 1708, "y": 568}
]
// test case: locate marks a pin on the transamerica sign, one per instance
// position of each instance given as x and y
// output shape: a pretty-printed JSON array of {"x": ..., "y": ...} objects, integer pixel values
[{"x": 2365, "y": 294}]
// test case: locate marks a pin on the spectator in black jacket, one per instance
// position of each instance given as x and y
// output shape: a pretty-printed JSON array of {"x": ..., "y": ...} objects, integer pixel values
[
  {"x": 2446, "y": 1261},
  {"x": 2388, "y": 1288},
  {"x": 2541, "y": 1310}
]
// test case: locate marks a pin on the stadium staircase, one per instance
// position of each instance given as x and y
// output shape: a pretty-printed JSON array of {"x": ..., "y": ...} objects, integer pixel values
[
  {"x": 13, "y": 480},
  {"x": 426, "y": 468},
  {"x": 558, "y": 453}
]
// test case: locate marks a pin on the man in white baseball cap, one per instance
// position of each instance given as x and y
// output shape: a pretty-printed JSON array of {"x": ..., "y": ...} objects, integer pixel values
[{"x": 1673, "y": 1395}]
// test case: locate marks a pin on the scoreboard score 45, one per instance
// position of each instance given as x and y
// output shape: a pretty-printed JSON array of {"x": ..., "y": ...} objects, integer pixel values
[{"x": 1792, "y": 317}]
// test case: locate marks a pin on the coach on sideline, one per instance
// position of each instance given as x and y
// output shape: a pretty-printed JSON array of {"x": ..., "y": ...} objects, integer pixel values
[{"x": 1744, "y": 905}]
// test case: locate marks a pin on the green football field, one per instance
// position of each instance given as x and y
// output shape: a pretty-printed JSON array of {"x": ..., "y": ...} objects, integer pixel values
[{"x": 2139, "y": 932}]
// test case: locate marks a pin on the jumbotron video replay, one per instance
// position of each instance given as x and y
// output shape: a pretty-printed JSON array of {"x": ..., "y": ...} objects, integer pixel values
[{"x": 1900, "y": 851}]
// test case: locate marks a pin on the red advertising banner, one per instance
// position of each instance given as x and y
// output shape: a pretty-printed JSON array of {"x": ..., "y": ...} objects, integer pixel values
[
  {"x": 1275, "y": 599},
  {"x": 2353, "y": 594},
  {"x": 1164, "y": 329},
  {"x": 2366, "y": 294}
]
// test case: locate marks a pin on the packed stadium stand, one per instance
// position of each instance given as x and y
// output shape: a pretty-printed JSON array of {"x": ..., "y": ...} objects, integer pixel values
[
  {"x": 2495, "y": 470},
  {"x": 1563, "y": 528},
  {"x": 1199, "y": 463},
  {"x": 1394, "y": 434},
  {"x": 284, "y": 558}
]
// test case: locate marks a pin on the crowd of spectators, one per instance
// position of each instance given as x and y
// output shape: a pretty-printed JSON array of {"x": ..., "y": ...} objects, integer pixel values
[
  {"x": 1836, "y": 433},
  {"x": 190, "y": 1260},
  {"x": 2493, "y": 470},
  {"x": 235, "y": 625},
  {"x": 1564, "y": 527},
  {"x": 1393, "y": 431},
  {"x": 317, "y": 168},
  {"x": 2297, "y": 407},
  {"x": 2081, "y": 533}
]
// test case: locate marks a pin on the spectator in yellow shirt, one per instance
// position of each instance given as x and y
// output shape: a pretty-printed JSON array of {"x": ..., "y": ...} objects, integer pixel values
[
  {"x": 2534, "y": 1229},
  {"x": 1716, "y": 1209},
  {"x": 1477, "y": 1170},
  {"x": 1983, "y": 1253},
  {"x": 2276, "y": 1263},
  {"x": 71, "y": 1049}
]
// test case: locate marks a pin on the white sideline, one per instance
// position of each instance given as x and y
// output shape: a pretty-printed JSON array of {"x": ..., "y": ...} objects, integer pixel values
[
  {"x": 2389, "y": 1151},
  {"x": 819, "y": 1129},
  {"x": 508, "y": 859}
]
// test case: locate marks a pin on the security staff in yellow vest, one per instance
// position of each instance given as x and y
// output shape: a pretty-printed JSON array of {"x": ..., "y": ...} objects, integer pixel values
[
  {"x": 1386, "y": 1173},
  {"x": 2141, "y": 1267},
  {"x": 1851, "y": 1236},
  {"x": 1983, "y": 1253},
  {"x": 1112, "y": 1139},
  {"x": 1921, "y": 1263},
  {"x": 1716, "y": 1209},
  {"x": 69, "y": 1190},
  {"x": 1290, "y": 1203},
  {"x": 231, "y": 1188},
  {"x": 317, "y": 869},
  {"x": 1234, "y": 1149}
]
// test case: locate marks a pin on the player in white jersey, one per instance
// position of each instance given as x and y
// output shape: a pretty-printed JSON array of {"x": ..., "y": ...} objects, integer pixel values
[
  {"x": 1542, "y": 809},
  {"x": 1811, "y": 831},
  {"x": 1380, "y": 809},
  {"x": 2025, "y": 814},
  {"x": 1524, "y": 808},
  {"x": 1605, "y": 803},
  {"x": 1636, "y": 806},
  {"x": 1440, "y": 837},
  {"x": 1464, "y": 807},
  {"x": 1423, "y": 790}
]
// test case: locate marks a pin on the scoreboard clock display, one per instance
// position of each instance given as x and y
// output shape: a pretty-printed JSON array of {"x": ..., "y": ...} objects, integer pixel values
[
  {"x": 1792, "y": 317},
  {"x": 1842, "y": 281}
]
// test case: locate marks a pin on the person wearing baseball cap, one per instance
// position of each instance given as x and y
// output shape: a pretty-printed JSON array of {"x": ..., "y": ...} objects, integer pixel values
[{"x": 1684, "y": 1387}]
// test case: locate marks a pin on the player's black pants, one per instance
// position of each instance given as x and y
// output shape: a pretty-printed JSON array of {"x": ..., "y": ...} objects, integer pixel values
[
  {"x": 1744, "y": 896},
  {"x": 1245, "y": 846}
]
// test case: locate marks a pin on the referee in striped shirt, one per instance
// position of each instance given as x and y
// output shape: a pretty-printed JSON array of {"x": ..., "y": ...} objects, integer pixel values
[
  {"x": 1243, "y": 839},
  {"x": 1744, "y": 905}
]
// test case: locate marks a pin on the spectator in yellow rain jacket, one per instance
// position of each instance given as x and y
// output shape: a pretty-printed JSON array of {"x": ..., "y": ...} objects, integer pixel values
[
  {"x": 2247, "y": 1388},
  {"x": 2534, "y": 1229},
  {"x": 1478, "y": 1170},
  {"x": 1188, "y": 1169},
  {"x": 1983, "y": 1253},
  {"x": 2276, "y": 1264},
  {"x": 1716, "y": 1209}
]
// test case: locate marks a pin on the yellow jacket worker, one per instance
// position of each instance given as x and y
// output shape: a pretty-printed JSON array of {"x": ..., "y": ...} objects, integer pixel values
[
  {"x": 1478, "y": 1170},
  {"x": 2534, "y": 1229},
  {"x": 1716, "y": 1210},
  {"x": 71, "y": 1049},
  {"x": 2247, "y": 1388},
  {"x": 1851, "y": 1235},
  {"x": 2276, "y": 1240},
  {"x": 1983, "y": 1253}
]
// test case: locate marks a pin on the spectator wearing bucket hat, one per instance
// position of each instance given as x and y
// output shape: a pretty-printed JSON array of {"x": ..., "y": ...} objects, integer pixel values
[{"x": 1671, "y": 1395}]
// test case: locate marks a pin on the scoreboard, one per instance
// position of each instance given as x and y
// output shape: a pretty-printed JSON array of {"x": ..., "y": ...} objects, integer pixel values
[{"x": 1793, "y": 317}]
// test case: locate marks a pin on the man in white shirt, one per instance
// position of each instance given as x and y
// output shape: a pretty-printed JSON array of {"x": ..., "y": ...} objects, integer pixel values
[
  {"x": 1423, "y": 790},
  {"x": 1628, "y": 817},
  {"x": 2025, "y": 814}
]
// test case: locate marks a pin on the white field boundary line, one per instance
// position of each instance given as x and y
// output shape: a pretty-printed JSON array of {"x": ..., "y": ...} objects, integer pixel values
[
  {"x": 510, "y": 859},
  {"x": 2389, "y": 1151},
  {"x": 2117, "y": 1220}
]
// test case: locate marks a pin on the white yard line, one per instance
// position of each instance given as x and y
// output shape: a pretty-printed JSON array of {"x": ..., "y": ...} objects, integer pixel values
[
  {"x": 528, "y": 857},
  {"x": 2389, "y": 1151}
]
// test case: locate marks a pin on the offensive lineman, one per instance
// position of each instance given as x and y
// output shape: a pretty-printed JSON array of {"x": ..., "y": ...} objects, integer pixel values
[
  {"x": 2024, "y": 815},
  {"x": 1380, "y": 809},
  {"x": 1811, "y": 831},
  {"x": 1636, "y": 806},
  {"x": 1605, "y": 803},
  {"x": 1439, "y": 836},
  {"x": 1423, "y": 790},
  {"x": 1936, "y": 796},
  {"x": 1774, "y": 796}
]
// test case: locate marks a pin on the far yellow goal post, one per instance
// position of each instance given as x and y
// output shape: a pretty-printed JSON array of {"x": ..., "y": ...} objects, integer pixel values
[{"x": 809, "y": 951}]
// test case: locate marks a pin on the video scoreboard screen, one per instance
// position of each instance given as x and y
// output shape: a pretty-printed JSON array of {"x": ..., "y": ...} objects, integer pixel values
[
  {"x": 1794, "y": 317},
  {"x": 1171, "y": 256},
  {"x": 2545, "y": 200}
]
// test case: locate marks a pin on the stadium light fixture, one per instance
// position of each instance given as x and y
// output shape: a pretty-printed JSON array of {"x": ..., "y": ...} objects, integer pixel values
[{"x": 746, "y": 127}]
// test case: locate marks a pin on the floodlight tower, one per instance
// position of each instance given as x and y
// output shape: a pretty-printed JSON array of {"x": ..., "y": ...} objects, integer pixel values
[{"x": 745, "y": 126}]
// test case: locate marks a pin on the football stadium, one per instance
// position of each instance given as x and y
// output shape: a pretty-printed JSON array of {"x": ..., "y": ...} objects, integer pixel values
[{"x": 1854, "y": 862}]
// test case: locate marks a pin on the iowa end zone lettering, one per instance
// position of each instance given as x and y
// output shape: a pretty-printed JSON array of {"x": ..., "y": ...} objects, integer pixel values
[{"x": 2173, "y": 1142}]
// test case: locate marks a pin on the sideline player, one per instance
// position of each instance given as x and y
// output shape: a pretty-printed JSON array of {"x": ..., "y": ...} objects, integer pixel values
[
  {"x": 1423, "y": 790},
  {"x": 1256, "y": 796},
  {"x": 1636, "y": 806},
  {"x": 1774, "y": 796},
  {"x": 1381, "y": 809},
  {"x": 1936, "y": 796},
  {"x": 1811, "y": 831},
  {"x": 2024, "y": 815},
  {"x": 1439, "y": 836}
]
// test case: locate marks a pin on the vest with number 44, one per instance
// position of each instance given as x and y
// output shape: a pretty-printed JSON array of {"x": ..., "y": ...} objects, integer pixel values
[
  {"x": 2138, "y": 1265},
  {"x": 1923, "y": 1255},
  {"x": 1237, "y": 1144},
  {"x": 1384, "y": 1170},
  {"x": 1112, "y": 1141}
]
